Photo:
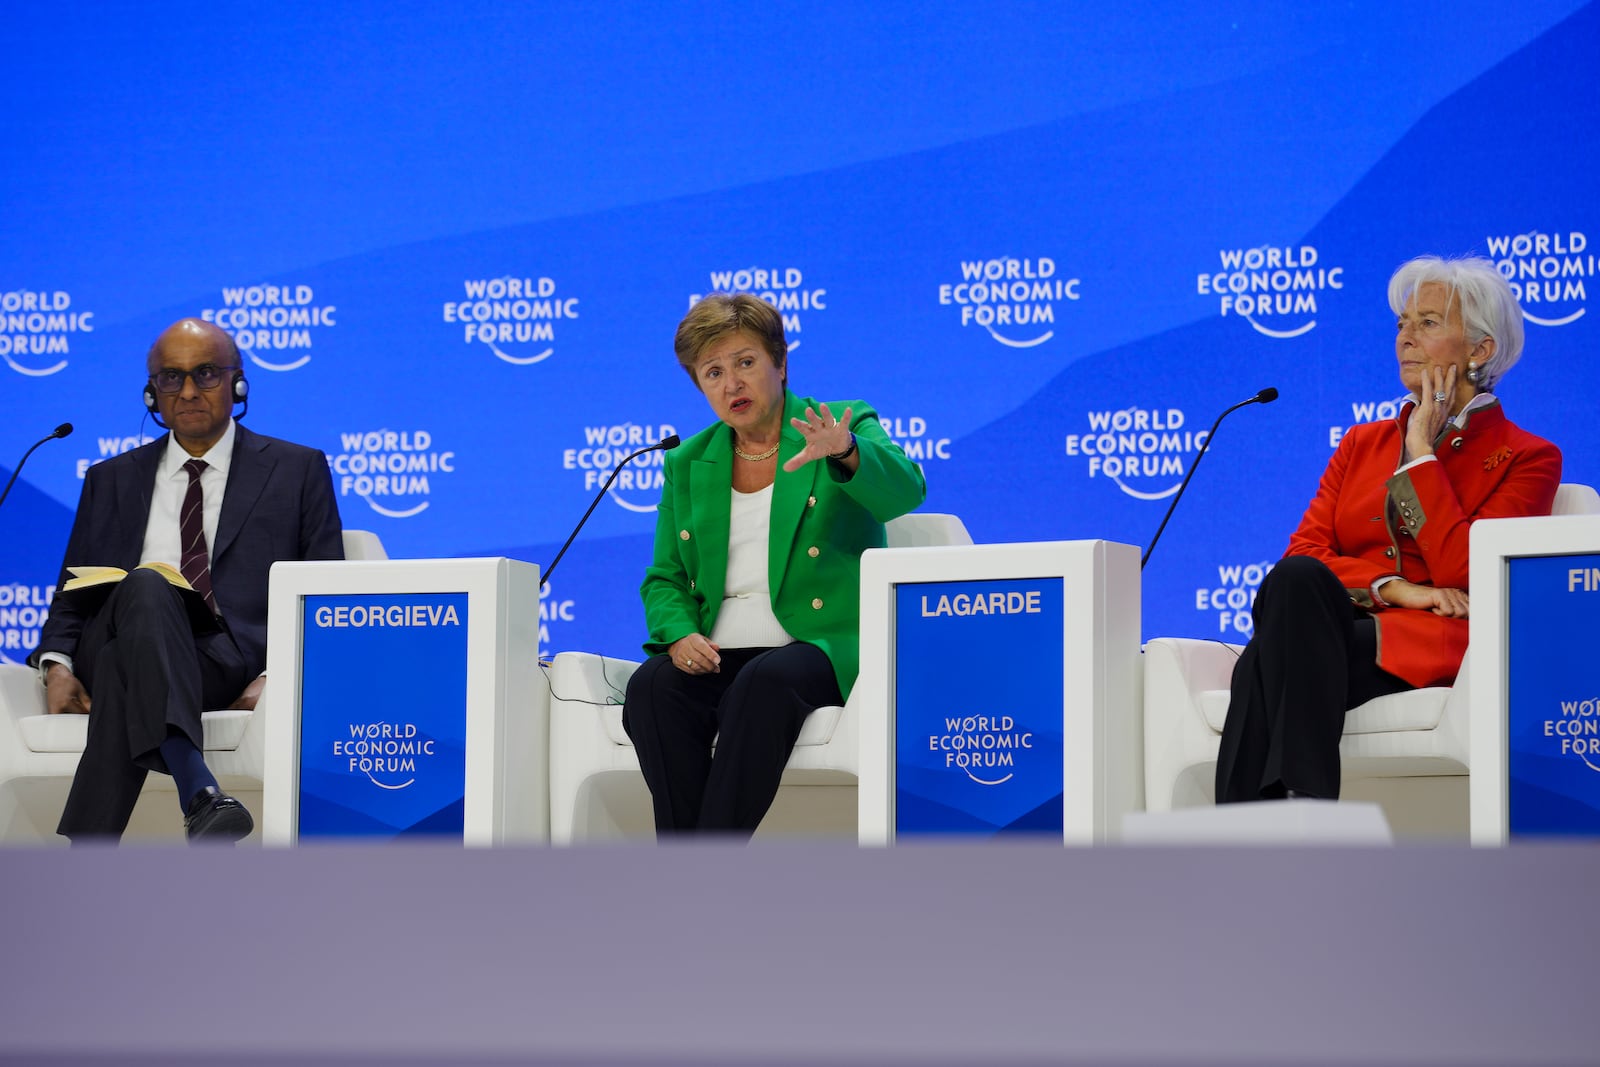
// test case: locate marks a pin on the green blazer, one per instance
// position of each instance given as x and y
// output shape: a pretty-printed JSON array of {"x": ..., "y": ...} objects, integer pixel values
[{"x": 821, "y": 523}]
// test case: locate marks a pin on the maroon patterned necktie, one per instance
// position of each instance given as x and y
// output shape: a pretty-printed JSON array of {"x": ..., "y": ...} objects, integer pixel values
[{"x": 196, "y": 562}]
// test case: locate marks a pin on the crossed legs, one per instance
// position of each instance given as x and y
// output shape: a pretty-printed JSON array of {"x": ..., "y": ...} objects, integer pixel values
[{"x": 148, "y": 677}]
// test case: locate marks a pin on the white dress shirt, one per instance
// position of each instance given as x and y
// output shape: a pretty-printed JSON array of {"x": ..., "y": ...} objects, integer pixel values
[{"x": 161, "y": 533}]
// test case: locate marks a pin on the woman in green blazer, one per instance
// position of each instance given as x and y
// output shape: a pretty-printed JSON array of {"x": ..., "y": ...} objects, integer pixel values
[{"x": 753, "y": 595}]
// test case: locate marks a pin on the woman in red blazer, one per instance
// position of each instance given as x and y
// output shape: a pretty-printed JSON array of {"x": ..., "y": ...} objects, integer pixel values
[{"x": 1372, "y": 595}]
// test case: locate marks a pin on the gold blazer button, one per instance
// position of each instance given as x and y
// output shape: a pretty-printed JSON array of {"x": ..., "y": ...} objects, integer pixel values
[{"x": 816, "y": 605}]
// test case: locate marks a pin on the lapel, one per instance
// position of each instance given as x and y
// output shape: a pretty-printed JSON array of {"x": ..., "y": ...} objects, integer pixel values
[
  {"x": 1475, "y": 468},
  {"x": 789, "y": 495},
  {"x": 133, "y": 501},
  {"x": 248, "y": 472},
  {"x": 710, "y": 501}
]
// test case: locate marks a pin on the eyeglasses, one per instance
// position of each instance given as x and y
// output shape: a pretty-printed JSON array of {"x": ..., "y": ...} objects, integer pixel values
[{"x": 206, "y": 376}]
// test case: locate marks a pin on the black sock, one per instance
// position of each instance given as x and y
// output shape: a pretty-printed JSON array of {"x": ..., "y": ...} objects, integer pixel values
[{"x": 187, "y": 767}]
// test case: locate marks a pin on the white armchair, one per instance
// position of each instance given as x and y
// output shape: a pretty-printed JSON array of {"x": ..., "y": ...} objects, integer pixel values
[
  {"x": 597, "y": 791},
  {"x": 1407, "y": 752},
  {"x": 39, "y": 752}
]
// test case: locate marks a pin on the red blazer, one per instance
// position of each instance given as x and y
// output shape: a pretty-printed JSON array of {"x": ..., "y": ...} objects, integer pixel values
[{"x": 1367, "y": 522}]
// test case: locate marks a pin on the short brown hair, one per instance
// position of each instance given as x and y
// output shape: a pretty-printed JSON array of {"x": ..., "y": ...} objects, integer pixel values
[{"x": 719, "y": 314}]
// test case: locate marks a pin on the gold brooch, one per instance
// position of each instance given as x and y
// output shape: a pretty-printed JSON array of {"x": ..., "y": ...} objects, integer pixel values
[{"x": 1496, "y": 457}]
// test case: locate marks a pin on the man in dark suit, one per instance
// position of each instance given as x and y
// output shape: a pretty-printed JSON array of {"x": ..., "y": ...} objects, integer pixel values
[{"x": 219, "y": 503}]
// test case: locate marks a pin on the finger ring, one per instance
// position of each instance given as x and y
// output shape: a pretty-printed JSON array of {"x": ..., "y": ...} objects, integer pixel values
[{"x": 1438, "y": 398}]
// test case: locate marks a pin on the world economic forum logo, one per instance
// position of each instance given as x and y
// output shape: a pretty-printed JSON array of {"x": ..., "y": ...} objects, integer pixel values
[
  {"x": 393, "y": 471},
  {"x": 110, "y": 447},
  {"x": 1014, "y": 300},
  {"x": 785, "y": 288},
  {"x": 1361, "y": 411},
  {"x": 553, "y": 611},
  {"x": 36, "y": 327},
  {"x": 23, "y": 610},
  {"x": 1233, "y": 597},
  {"x": 273, "y": 324},
  {"x": 916, "y": 438},
  {"x": 514, "y": 317},
  {"x": 386, "y": 752},
  {"x": 637, "y": 486},
  {"x": 1547, "y": 271},
  {"x": 1144, "y": 451},
  {"x": 1577, "y": 730},
  {"x": 983, "y": 747},
  {"x": 1274, "y": 289}
]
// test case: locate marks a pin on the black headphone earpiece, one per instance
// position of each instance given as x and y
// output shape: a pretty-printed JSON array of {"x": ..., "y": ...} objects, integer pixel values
[
  {"x": 241, "y": 388},
  {"x": 149, "y": 397}
]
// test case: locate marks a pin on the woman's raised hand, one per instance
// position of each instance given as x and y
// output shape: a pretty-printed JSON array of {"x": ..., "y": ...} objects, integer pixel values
[{"x": 825, "y": 436}]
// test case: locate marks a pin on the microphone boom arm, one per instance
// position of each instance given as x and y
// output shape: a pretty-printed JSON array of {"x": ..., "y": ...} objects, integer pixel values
[
  {"x": 60, "y": 431},
  {"x": 1266, "y": 396},
  {"x": 665, "y": 443}
]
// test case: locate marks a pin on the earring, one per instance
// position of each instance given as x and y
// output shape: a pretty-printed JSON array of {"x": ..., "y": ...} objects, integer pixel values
[{"x": 1474, "y": 375}]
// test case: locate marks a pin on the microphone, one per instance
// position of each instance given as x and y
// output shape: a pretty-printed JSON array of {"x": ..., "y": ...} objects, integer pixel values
[
  {"x": 665, "y": 444},
  {"x": 64, "y": 430},
  {"x": 1266, "y": 396}
]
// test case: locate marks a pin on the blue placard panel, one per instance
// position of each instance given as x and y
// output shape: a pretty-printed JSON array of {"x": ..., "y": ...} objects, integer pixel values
[
  {"x": 1553, "y": 696},
  {"x": 383, "y": 715},
  {"x": 977, "y": 707}
]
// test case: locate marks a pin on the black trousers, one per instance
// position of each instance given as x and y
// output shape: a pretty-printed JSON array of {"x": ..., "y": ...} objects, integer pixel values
[
  {"x": 753, "y": 708},
  {"x": 146, "y": 673},
  {"x": 1313, "y": 658}
]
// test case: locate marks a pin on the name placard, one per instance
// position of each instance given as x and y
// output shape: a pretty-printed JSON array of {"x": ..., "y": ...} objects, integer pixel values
[
  {"x": 383, "y": 715},
  {"x": 978, "y": 684},
  {"x": 1553, "y": 696}
]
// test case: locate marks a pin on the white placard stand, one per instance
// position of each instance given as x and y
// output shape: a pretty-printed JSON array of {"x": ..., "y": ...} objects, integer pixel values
[
  {"x": 507, "y": 797},
  {"x": 1494, "y": 543},
  {"x": 1102, "y": 712}
]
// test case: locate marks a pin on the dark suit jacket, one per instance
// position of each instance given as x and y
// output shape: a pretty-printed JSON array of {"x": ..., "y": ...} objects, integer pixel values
[
  {"x": 1367, "y": 522},
  {"x": 279, "y": 504}
]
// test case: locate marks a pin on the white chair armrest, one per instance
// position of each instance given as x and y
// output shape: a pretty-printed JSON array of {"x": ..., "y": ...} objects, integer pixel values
[
  {"x": 587, "y": 678},
  {"x": 1202, "y": 665},
  {"x": 362, "y": 545},
  {"x": 586, "y": 693},
  {"x": 21, "y": 696},
  {"x": 1176, "y": 735},
  {"x": 20, "y": 691},
  {"x": 1455, "y": 726}
]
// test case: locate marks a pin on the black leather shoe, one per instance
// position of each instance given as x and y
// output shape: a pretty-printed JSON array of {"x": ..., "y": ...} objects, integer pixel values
[{"x": 215, "y": 816}]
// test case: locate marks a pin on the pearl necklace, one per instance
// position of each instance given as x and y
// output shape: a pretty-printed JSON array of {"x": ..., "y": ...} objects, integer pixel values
[{"x": 748, "y": 458}]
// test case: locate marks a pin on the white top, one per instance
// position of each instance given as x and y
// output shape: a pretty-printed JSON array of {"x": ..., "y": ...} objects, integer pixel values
[{"x": 746, "y": 619}]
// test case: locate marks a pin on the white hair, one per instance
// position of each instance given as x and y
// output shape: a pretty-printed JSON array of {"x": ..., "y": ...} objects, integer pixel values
[{"x": 1488, "y": 306}]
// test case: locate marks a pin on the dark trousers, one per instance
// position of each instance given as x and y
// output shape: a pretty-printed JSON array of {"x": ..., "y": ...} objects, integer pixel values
[
  {"x": 146, "y": 674},
  {"x": 753, "y": 709},
  {"x": 1313, "y": 657}
]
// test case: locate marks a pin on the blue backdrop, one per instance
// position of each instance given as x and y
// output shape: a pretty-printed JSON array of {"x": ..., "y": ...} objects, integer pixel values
[{"x": 1048, "y": 241}]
